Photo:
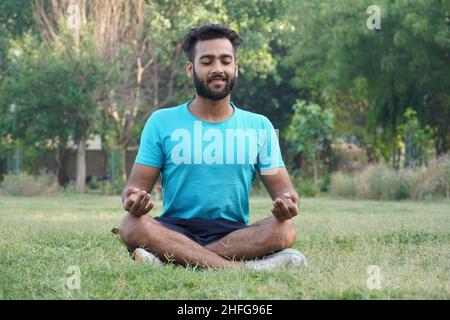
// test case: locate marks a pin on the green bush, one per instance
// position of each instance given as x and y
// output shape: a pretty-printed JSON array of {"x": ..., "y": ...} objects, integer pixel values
[
  {"x": 308, "y": 189},
  {"x": 94, "y": 184},
  {"x": 305, "y": 187},
  {"x": 106, "y": 187},
  {"x": 405, "y": 181},
  {"x": 342, "y": 185},
  {"x": 325, "y": 183},
  {"x": 382, "y": 183},
  {"x": 70, "y": 188},
  {"x": 433, "y": 180},
  {"x": 112, "y": 187},
  {"x": 379, "y": 179},
  {"x": 26, "y": 185}
]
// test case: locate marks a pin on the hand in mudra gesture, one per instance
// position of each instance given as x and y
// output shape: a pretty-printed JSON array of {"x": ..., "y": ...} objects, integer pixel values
[
  {"x": 137, "y": 201},
  {"x": 286, "y": 206}
]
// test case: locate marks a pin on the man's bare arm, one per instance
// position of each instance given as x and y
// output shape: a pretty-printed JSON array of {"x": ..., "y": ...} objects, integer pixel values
[
  {"x": 285, "y": 198},
  {"x": 135, "y": 196}
]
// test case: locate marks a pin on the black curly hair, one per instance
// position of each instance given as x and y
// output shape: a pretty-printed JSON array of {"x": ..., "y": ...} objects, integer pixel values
[{"x": 208, "y": 32}]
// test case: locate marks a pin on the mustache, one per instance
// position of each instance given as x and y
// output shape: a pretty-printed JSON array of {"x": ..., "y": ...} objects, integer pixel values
[{"x": 217, "y": 77}]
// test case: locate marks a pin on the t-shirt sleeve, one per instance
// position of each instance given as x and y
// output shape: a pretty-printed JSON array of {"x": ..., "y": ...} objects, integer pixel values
[
  {"x": 269, "y": 156},
  {"x": 150, "y": 151}
]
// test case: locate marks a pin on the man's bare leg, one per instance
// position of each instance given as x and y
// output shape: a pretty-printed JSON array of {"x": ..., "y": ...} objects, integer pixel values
[
  {"x": 146, "y": 232},
  {"x": 259, "y": 239}
]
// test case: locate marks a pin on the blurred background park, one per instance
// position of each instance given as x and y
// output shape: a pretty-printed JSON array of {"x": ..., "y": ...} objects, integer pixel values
[{"x": 360, "y": 93}]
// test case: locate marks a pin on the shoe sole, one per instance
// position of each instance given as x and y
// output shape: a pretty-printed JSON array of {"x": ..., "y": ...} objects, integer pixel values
[
  {"x": 137, "y": 256},
  {"x": 296, "y": 253}
]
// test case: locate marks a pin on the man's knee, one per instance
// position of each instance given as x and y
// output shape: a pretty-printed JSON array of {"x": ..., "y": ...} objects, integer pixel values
[
  {"x": 131, "y": 230},
  {"x": 284, "y": 233}
]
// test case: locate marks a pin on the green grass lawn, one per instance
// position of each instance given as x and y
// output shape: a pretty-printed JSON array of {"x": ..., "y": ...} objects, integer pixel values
[{"x": 40, "y": 238}]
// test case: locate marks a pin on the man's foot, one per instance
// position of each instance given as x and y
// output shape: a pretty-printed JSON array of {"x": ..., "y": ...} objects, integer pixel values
[
  {"x": 284, "y": 259},
  {"x": 141, "y": 255}
]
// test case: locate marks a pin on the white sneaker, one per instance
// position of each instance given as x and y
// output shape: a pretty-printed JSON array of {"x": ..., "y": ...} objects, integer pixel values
[
  {"x": 142, "y": 255},
  {"x": 284, "y": 259}
]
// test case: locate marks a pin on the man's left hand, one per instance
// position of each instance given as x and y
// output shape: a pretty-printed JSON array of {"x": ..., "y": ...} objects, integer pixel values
[{"x": 286, "y": 206}]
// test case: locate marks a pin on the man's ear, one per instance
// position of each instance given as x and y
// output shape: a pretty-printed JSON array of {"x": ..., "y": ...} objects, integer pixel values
[{"x": 189, "y": 69}]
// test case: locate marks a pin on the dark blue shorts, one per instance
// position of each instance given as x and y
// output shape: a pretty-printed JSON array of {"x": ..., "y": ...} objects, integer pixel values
[{"x": 200, "y": 230}]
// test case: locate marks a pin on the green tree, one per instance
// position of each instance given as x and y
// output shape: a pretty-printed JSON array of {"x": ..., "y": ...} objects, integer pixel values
[
  {"x": 418, "y": 140},
  {"x": 141, "y": 42},
  {"x": 405, "y": 63},
  {"x": 53, "y": 92},
  {"x": 15, "y": 19},
  {"x": 310, "y": 129},
  {"x": 271, "y": 93}
]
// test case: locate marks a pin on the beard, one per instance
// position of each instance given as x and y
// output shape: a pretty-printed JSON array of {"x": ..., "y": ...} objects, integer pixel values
[{"x": 204, "y": 91}]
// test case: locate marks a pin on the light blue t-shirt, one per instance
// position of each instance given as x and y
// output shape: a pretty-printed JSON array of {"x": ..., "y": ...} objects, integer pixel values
[{"x": 207, "y": 169}]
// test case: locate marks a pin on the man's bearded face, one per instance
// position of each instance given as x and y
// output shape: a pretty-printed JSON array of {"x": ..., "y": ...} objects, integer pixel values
[{"x": 215, "y": 87}]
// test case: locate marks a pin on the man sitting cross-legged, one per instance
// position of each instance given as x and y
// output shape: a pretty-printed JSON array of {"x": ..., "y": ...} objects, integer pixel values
[{"x": 208, "y": 152}]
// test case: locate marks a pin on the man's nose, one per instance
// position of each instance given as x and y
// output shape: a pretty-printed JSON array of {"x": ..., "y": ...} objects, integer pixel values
[{"x": 217, "y": 67}]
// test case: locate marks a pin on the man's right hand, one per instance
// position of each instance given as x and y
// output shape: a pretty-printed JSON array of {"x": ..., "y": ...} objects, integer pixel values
[{"x": 137, "y": 201}]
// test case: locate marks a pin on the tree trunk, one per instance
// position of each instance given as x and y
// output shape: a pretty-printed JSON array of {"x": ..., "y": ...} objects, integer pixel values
[
  {"x": 123, "y": 163},
  {"x": 63, "y": 179},
  {"x": 57, "y": 168},
  {"x": 394, "y": 153},
  {"x": 81, "y": 165},
  {"x": 318, "y": 167},
  {"x": 315, "y": 170}
]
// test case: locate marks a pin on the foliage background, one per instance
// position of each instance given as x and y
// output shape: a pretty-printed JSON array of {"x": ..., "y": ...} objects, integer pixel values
[{"x": 386, "y": 89}]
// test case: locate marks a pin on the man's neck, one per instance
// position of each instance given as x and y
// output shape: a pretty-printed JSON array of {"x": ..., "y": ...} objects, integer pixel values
[{"x": 211, "y": 110}]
